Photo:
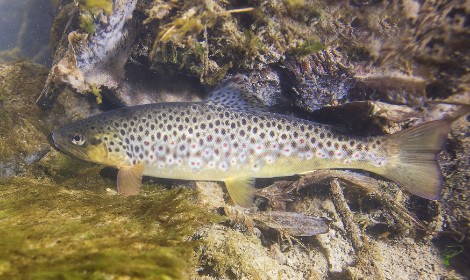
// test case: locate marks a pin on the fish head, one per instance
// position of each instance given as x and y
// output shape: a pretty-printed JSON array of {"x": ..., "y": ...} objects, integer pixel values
[{"x": 85, "y": 140}]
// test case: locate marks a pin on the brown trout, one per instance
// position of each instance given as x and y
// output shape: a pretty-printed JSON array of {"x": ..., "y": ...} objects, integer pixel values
[{"x": 230, "y": 137}]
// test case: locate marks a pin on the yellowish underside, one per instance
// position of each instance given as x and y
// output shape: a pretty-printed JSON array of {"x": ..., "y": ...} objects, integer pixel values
[{"x": 282, "y": 167}]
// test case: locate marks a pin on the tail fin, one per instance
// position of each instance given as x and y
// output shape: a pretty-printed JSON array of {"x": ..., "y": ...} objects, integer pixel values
[{"x": 416, "y": 168}]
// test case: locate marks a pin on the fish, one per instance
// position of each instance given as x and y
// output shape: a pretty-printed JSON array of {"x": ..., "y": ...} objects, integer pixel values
[{"x": 231, "y": 137}]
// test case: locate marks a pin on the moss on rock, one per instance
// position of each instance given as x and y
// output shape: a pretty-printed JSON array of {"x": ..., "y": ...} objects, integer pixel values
[{"x": 22, "y": 134}]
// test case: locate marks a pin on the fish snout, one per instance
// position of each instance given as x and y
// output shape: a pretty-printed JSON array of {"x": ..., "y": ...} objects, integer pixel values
[{"x": 54, "y": 140}]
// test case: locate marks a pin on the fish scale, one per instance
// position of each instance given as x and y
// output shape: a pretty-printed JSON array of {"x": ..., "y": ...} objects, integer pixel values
[
  {"x": 232, "y": 138},
  {"x": 206, "y": 142}
]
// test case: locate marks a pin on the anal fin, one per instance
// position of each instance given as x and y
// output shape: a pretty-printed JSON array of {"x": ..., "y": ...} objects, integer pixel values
[
  {"x": 241, "y": 190},
  {"x": 129, "y": 179}
]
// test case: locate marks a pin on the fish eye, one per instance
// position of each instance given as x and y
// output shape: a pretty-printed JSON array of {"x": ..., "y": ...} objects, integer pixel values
[{"x": 77, "y": 139}]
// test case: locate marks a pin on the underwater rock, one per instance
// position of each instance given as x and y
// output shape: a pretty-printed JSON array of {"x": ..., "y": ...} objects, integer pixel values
[
  {"x": 319, "y": 80},
  {"x": 23, "y": 134},
  {"x": 95, "y": 54}
]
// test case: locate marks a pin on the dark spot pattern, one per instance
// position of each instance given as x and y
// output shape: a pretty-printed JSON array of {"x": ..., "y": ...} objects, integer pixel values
[{"x": 201, "y": 137}]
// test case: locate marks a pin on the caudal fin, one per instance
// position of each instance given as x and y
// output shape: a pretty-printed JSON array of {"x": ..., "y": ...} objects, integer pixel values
[{"x": 416, "y": 168}]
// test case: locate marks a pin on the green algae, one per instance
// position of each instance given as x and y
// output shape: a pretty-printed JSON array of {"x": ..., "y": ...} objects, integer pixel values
[
  {"x": 57, "y": 231},
  {"x": 87, "y": 23},
  {"x": 97, "y": 5},
  {"x": 306, "y": 48}
]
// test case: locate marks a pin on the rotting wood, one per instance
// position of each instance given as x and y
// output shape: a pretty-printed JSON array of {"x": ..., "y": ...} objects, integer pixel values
[
  {"x": 279, "y": 193},
  {"x": 366, "y": 265}
]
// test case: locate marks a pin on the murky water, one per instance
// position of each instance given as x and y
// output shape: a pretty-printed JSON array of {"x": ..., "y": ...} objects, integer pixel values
[{"x": 25, "y": 30}]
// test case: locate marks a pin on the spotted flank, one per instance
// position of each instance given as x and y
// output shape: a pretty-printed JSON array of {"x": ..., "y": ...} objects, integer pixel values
[{"x": 232, "y": 138}]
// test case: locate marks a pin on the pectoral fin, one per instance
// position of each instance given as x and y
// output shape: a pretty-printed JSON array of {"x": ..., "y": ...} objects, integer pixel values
[
  {"x": 129, "y": 179},
  {"x": 241, "y": 190}
]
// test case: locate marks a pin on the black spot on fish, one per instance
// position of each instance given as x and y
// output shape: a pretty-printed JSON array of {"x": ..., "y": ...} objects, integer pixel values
[{"x": 141, "y": 128}]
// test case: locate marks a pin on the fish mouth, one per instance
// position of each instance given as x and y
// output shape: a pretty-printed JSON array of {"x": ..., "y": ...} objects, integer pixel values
[{"x": 55, "y": 143}]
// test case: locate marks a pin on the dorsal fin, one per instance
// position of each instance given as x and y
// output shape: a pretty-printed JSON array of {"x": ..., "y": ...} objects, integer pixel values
[{"x": 234, "y": 95}]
